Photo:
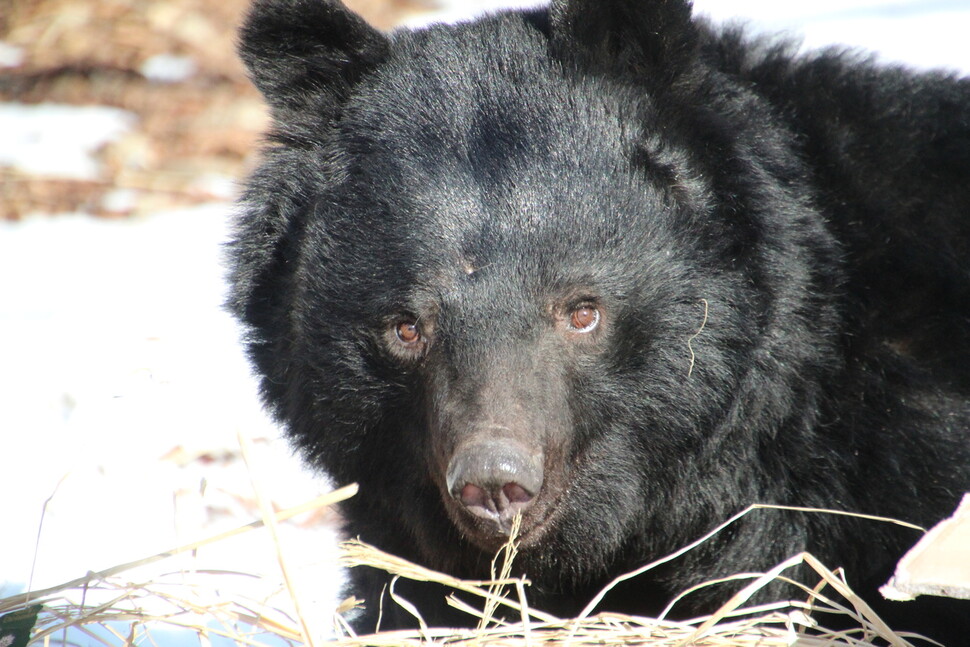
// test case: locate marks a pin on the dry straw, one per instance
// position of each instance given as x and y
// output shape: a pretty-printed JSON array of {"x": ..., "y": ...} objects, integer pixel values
[
  {"x": 98, "y": 602},
  {"x": 788, "y": 623},
  {"x": 116, "y": 611}
]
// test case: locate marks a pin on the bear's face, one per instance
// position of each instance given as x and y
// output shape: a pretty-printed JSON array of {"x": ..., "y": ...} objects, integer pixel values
[
  {"x": 485, "y": 280},
  {"x": 514, "y": 285}
]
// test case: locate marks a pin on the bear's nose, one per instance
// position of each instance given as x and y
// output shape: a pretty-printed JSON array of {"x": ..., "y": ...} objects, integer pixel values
[{"x": 495, "y": 478}]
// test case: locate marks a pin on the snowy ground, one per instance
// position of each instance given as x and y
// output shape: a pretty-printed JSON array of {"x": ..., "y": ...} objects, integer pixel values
[{"x": 123, "y": 386}]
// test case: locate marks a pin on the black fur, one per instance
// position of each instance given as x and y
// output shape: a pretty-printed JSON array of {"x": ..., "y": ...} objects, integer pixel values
[{"x": 482, "y": 181}]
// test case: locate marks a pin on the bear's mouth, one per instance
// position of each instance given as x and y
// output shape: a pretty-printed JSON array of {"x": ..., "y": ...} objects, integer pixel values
[{"x": 490, "y": 534}]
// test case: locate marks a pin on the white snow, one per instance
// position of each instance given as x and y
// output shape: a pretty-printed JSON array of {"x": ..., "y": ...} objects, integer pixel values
[
  {"x": 121, "y": 378},
  {"x": 921, "y": 33},
  {"x": 58, "y": 140},
  {"x": 166, "y": 68},
  {"x": 124, "y": 390},
  {"x": 10, "y": 55}
]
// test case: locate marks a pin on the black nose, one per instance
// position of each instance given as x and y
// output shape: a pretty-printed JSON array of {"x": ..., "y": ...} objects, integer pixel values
[{"x": 495, "y": 478}]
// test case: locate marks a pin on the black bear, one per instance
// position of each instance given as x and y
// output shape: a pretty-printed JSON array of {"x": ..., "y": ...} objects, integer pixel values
[{"x": 619, "y": 271}]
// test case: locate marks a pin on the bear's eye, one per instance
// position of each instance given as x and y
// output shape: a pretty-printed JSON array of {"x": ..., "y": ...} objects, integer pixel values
[
  {"x": 584, "y": 318},
  {"x": 408, "y": 339},
  {"x": 408, "y": 332}
]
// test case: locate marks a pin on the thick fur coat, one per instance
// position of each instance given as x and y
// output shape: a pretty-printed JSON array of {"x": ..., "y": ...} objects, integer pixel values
[{"x": 621, "y": 272}]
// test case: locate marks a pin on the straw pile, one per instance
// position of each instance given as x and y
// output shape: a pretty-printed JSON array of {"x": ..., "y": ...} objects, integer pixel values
[{"x": 113, "y": 608}]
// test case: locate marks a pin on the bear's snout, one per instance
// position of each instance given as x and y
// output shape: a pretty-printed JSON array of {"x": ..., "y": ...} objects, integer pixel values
[{"x": 494, "y": 479}]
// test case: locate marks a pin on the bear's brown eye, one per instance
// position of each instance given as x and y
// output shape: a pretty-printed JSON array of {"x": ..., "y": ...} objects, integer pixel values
[
  {"x": 584, "y": 318},
  {"x": 408, "y": 332}
]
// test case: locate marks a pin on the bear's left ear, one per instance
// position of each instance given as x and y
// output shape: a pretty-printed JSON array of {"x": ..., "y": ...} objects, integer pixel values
[
  {"x": 648, "y": 39},
  {"x": 307, "y": 53}
]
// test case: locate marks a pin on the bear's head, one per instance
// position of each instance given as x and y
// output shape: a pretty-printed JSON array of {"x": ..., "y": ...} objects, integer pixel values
[{"x": 549, "y": 263}]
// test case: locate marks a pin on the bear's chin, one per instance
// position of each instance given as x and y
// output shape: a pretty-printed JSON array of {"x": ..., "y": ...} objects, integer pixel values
[{"x": 489, "y": 534}]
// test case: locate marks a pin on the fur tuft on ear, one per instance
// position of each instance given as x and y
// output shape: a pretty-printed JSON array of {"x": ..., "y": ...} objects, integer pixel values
[
  {"x": 653, "y": 39},
  {"x": 303, "y": 53}
]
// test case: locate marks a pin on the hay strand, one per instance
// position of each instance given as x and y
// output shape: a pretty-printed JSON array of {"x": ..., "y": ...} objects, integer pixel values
[
  {"x": 690, "y": 340},
  {"x": 269, "y": 520}
]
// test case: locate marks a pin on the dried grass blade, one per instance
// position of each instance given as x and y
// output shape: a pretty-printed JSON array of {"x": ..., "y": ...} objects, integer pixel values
[
  {"x": 742, "y": 596},
  {"x": 16, "y": 601},
  {"x": 863, "y": 609},
  {"x": 269, "y": 518},
  {"x": 357, "y": 553}
]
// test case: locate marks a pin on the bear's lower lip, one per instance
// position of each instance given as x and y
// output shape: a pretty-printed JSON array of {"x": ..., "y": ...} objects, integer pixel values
[
  {"x": 490, "y": 534},
  {"x": 491, "y": 542}
]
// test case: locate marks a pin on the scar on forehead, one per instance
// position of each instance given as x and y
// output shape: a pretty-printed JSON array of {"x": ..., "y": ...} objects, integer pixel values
[{"x": 470, "y": 266}]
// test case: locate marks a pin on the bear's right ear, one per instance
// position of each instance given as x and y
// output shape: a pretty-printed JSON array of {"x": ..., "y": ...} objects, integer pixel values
[
  {"x": 643, "y": 39},
  {"x": 303, "y": 53}
]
